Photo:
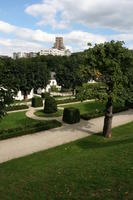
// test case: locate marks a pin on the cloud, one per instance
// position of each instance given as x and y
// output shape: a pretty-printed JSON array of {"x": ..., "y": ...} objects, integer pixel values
[
  {"x": 112, "y": 14},
  {"x": 8, "y": 46},
  {"x": 24, "y": 39},
  {"x": 77, "y": 39},
  {"x": 6, "y": 28}
]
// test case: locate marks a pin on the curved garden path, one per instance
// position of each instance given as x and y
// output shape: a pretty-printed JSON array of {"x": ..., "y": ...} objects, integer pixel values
[
  {"x": 31, "y": 111},
  {"x": 28, "y": 144}
]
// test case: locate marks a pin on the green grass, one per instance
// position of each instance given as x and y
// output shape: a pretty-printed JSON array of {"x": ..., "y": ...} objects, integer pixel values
[
  {"x": 93, "y": 168},
  {"x": 87, "y": 106},
  {"x": 15, "y": 120},
  {"x": 17, "y": 124},
  {"x": 40, "y": 113}
]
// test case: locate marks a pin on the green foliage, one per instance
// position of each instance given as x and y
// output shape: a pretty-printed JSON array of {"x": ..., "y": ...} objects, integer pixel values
[
  {"x": 16, "y": 107},
  {"x": 99, "y": 113},
  {"x": 63, "y": 101},
  {"x": 37, "y": 102},
  {"x": 111, "y": 59},
  {"x": 71, "y": 115},
  {"x": 45, "y": 95},
  {"x": 91, "y": 91},
  {"x": 29, "y": 129},
  {"x": 50, "y": 105},
  {"x": 54, "y": 89}
]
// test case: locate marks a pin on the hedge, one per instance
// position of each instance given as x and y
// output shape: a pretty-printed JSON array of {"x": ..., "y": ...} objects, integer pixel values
[
  {"x": 50, "y": 105},
  {"x": 45, "y": 95},
  {"x": 41, "y": 126},
  {"x": 17, "y": 107},
  {"x": 91, "y": 115},
  {"x": 63, "y": 101},
  {"x": 37, "y": 102},
  {"x": 71, "y": 115}
]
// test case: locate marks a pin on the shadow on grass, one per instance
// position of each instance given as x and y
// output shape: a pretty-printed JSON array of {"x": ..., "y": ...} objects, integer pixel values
[{"x": 84, "y": 144}]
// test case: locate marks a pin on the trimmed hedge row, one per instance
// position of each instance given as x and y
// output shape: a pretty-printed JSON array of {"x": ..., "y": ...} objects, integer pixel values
[
  {"x": 71, "y": 115},
  {"x": 63, "y": 101},
  {"x": 41, "y": 126},
  {"x": 17, "y": 107},
  {"x": 37, "y": 102},
  {"x": 91, "y": 115}
]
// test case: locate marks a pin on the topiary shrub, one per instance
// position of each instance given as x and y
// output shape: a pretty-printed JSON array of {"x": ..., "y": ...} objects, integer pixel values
[
  {"x": 37, "y": 102},
  {"x": 45, "y": 95},
  {"x": 50, "y": 105},
  {"x": 71, "y": 115}
]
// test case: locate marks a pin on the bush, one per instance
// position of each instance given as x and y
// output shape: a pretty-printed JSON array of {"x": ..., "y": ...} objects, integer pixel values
[
  {"x": 45, "y": 95},
  {"x": 71, "y": 115},
  {"x": 53, "y": 88},
  {"x": 50, "y": 105},
  {"x": 40, "y": 126},
  {"x": 129, "y": 104},
  {"x": 37, "y": 102},
  {"x": 63, "y": 101},
  {"x": 95, "y": 114},
  {"x": 17, "y": 107},
  {"x": 91, "y": 115}
]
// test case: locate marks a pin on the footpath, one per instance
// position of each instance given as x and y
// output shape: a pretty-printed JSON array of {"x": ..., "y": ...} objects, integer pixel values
[{"x": 28, "y": 144}]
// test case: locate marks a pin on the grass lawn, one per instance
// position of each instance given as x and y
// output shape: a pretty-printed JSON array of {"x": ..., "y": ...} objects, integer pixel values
[
  {"x": 40, "y": 113},
  {"x": 87, "y": 106},
  {"x": 15, "y": 120},
  {"x": 16, "y": 124},
  {"x": 93, "y": 168}
]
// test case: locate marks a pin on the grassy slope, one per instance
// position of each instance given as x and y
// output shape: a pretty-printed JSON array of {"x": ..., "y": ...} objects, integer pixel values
[
  {"x": 93, "y": 168},
  {"x": 87, "y": 107}
]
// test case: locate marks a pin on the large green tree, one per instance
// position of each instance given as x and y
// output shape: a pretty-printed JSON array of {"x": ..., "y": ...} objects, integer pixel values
[
  {"x": 31, "y": 74},
  {"x": 111, "y": 59}
]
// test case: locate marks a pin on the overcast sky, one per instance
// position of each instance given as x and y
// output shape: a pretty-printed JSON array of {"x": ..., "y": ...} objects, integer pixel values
[{"x": 30, "y": 25}]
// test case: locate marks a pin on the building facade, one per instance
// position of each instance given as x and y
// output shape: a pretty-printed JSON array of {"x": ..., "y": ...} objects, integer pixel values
[{"x": 59, "y": 43}]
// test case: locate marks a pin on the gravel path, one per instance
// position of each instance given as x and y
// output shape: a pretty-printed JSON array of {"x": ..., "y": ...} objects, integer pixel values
[{"x": 25, "y": 145}]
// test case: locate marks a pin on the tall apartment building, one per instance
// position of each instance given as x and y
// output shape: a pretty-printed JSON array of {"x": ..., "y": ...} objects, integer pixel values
[{"x": 59, "y": 43}]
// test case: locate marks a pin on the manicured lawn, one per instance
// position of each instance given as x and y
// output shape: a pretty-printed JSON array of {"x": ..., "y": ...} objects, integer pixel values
[
  {"x": 87, "y": 106},
  {"x": 40, "y": 113},
  {"x": 93, "y": 168},
  {"x": 14, "y": 120},
  {"x": 17, "y": 124}
]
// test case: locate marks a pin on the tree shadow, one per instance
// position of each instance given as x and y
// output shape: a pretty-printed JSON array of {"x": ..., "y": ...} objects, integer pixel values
[{"x": 87, "y": 144}]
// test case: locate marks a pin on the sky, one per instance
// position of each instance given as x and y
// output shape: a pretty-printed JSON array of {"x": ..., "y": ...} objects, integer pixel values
[{"x": 32, "y": 25}]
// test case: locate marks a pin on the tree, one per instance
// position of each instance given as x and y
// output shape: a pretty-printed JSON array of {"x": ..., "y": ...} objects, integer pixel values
[
  {"x": 72, "y": 72},
  {"x": 8, "y": 84},
  {"x": 110, "y": 59},
  {"x": 31, "y": 74}
]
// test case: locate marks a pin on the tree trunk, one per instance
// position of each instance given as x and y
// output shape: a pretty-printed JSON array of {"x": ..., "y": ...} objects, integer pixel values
[
  {"x": 25, "y": 95},
  {"x": 107, "y": 129}
]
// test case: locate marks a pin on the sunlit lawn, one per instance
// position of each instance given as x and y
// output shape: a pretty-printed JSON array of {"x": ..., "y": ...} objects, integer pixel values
[{"x": 93, "y": 168}]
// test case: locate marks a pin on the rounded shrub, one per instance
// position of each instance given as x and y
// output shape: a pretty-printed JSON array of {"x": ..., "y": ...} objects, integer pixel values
[
  {"x": 71, "y": 115},
  {"x": 37, "y": 102},
  {"x": 50, "y": 105}
]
